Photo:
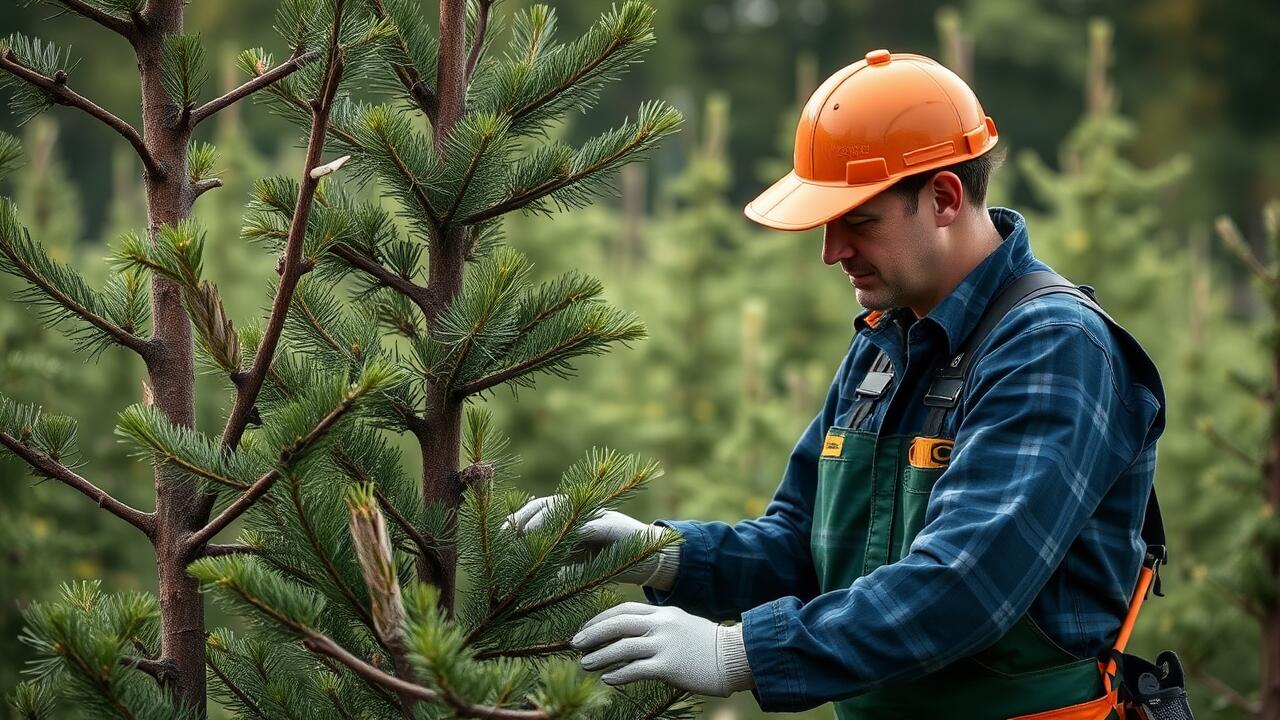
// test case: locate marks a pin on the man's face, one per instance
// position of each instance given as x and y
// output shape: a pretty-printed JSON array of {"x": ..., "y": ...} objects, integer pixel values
[{"x": 893, "y": 258}]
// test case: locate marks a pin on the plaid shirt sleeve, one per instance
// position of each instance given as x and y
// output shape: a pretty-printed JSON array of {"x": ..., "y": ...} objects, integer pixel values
[
  {"x": 1046, "y": 433},
  {"x": 726, "y": 570}
]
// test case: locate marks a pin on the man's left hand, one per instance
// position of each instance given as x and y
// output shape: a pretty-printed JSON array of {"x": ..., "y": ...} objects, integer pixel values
[{"x": 667, "y": 644}]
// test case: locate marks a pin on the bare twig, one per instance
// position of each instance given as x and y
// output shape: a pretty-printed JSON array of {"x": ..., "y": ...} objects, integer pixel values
[
  {"x": 46, "y": 466},
  {"x": 201, "y": 187},
  {"x": 163, "y": 671},
  {"x": 236, "y": 549},
  {"x": 64, "y": 95},
  {"x": 117, "y": 25},
  {"x": 320, "y": 644},
  {"x": 279, "y": 72},
  {"x": 247, "y": 391}
]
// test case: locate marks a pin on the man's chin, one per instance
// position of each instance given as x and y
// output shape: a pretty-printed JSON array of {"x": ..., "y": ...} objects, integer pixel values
[{"x": 871, "y": 300}]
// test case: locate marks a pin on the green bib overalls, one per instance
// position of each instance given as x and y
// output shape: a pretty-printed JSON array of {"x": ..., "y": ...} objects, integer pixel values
[{"x": 870, "y": 504}]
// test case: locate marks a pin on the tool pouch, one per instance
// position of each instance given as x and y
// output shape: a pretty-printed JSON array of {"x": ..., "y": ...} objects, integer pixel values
[{"x": 1153, "y": 691}]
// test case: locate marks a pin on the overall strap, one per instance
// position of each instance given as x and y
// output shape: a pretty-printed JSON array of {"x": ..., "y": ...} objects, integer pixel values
[
  {"x": 949, "y": 379},
  {"x": 871, "y": 389}
]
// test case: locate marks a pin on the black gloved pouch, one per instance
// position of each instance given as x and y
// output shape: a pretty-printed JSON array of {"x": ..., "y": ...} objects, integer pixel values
[{"x": 1153, "y": 691}]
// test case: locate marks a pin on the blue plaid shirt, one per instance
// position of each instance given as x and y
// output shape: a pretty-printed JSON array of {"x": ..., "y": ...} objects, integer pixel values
[{"x": 1040, "y": 508}]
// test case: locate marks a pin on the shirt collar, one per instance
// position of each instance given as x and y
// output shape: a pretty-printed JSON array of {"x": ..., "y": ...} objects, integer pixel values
[{"x": 958, "y": 313}]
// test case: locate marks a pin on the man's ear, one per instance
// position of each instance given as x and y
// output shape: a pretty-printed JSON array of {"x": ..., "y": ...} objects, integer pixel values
[{"x": 945, "y": 197}]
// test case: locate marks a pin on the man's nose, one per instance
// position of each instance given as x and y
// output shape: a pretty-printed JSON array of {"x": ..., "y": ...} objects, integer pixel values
[{"x": 835, "y": 247}]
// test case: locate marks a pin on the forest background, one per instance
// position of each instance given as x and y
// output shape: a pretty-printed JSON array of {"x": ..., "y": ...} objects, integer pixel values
[{"x": 1133, "y": 131}]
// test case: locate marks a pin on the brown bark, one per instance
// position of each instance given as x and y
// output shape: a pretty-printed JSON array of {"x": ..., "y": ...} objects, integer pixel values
[
  {"x": 181, "y": 508},
  {"x": 440, "y": 437}
]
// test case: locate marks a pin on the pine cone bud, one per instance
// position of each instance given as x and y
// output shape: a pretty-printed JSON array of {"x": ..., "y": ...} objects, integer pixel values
[{"x": 377, "y": 565}]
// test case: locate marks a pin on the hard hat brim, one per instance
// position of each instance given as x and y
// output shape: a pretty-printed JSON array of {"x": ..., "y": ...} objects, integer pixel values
[{"x": 794, "y": 204}]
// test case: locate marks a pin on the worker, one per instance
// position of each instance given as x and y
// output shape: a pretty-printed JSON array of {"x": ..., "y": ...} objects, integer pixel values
[{"x": 960, "y": 530}]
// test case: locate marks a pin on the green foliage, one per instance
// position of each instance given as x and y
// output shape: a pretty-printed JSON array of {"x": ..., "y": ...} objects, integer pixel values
[
  {"x": 190, "y": 451},
  {"x": 184, "y": 71},
  {"x": 55, "y": 289},
  {"x": 33, "y": 701},
  {"x": 200, "y": 159},
  {"x": 273, "y": 679},
  {"x": 413, "y": 49},
  {"x": 45, "y": 58},
  {"x": 562, "y": 178},
  {"x": 123, "y": 9},
  {"x": 244, "y": 583},
  {"x": 53, "y": 435},
  {"x": 10, "y": 154},
  {"x": 541, "y": 80},
  {"x": 84, "y": 642}
]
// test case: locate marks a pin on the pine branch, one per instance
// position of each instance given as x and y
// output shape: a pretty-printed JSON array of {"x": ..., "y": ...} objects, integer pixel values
[
  {"x": 415, "y": 292},
  {"x": 409, "y": 75},
  {"x": 235, "y": 689},
  {"x": 44, "y": 465},
  {"x": 279, "y": 72},
  {"x": 527, "y": 651},
  {"x": 59, "y": 93},
  {"x": 323, "y": 645},
  {"x": 287, "y": 453},
  {"x": 120, "y": 26},
  {"x": 655, "y": 121},
  {"x": 477, "y": 43},
  {"x": 323, "y": 557},
  {"x": 380, "y": 128},
  {"x": 61, "y": 287},
  {"x": 247, "y": 391},
  {"x": 589, "y": 339},
  {"x": 253, "y": 586},
  {"x": 618, "y": 477},
  {"x": 426, "y": 545}
]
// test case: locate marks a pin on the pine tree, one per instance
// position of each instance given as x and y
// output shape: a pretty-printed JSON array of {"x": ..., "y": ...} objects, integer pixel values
[
  {"x": 369, "y": 592},
  {"x": 1244, "y": 495}
]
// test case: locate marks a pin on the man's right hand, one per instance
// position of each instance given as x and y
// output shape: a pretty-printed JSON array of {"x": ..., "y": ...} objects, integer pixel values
[{"x": 606, "y": 528}]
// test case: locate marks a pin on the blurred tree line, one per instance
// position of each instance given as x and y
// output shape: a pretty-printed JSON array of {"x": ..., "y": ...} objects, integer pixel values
[{"x": 1127, "y": 139}]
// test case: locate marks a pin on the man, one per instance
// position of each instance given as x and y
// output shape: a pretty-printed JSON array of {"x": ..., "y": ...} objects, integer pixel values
[{"x": 928, "y": 553}]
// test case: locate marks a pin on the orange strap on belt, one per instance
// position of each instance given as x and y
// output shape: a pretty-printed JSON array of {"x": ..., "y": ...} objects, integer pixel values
[{"x": 1135, "y": 605}]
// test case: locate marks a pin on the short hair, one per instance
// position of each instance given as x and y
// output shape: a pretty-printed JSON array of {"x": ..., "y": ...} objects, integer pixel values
[{"x": 974, "y": 175}]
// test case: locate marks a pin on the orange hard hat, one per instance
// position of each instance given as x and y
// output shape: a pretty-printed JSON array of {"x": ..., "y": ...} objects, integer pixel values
[{"x": 869, "y": 125}]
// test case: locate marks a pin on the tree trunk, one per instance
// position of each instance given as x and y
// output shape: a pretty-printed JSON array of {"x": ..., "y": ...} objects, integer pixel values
[
  {"x": 441, "y": 437},
  {"x": 181, "y": 507}
]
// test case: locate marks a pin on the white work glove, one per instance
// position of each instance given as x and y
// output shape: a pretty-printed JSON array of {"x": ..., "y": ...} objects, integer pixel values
[
  {"x": 606, "y": 528},
  {"x": 667, "y": 644}
]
